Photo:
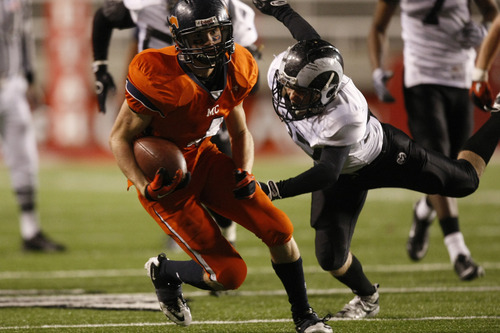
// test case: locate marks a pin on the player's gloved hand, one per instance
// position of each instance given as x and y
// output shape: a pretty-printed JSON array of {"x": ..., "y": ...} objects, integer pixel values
[
  {"x": 480, "y": 92},
  {"x": 267, "y": 6},
  {"x": 471, "y": 35},
  {"x": 271, "y": 189},
  {"x": 245, "y": 184},
  {"x": 158, "y": 189},
  {"x": 104, "y": 83},
  {"x": 380, "y": 78}
]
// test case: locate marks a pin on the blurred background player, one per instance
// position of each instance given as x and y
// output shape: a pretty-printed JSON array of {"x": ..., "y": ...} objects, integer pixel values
[
  {"x": 17, "y": 132},
  {"x": 480, "y": 90},
  {"x": 152, "y": 31},
  {"x": 439, "y": 40}
]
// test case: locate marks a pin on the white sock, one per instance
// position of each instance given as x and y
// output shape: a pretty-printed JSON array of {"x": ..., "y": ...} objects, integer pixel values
[
  {"x": 423, "y": 210},
  {"x": 29, "y": 224},
  {"x": 456, "y": 245}
]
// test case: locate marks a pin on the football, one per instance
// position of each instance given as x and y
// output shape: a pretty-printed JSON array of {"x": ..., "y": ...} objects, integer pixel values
[{"x": 152, "y": 153}]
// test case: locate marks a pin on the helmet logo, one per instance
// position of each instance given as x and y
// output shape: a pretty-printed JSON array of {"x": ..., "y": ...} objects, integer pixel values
[
  {"x": 173, "y": 21},
  {"x": 206, "y": 22}
]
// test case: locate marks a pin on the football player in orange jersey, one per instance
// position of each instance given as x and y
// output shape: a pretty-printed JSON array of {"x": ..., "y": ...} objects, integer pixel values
[{"x": 182, "y": 93}]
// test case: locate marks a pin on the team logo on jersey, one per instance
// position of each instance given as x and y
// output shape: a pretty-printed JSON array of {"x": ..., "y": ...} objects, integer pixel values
[
  {"x": 206, "y": 22},
  {"x": 173, "y": 21},
  {"x": 401, "y": 158},
  {"x": 213, "y": 111}
]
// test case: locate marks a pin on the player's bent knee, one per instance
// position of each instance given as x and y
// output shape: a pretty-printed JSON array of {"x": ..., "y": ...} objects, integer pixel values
[
  {"x": 232, "y": 276},
  {"x": 277, "y": 237},
  {"x": 343, "y": 269},
  {"x": 335, "y": 264}
]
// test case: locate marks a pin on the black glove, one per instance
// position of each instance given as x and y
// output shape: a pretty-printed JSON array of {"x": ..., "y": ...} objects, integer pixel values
[
  {"x": 103, "y": 83},
  {"x": 267, "y": 6},
  {"x": 271, "y": 189},
  {"x": 245, "y": 184}
]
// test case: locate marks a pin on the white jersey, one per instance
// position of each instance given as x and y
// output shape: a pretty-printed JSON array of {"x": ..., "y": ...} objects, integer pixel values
[
  {"x": 16, "y": 39},
  {"x": 150, "y": 17},
  {"x": 345, "y": 122},
  {"x": 432, "y": 52}
]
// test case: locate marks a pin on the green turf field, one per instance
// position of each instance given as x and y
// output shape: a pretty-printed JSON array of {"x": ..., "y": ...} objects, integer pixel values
[{"x": 99, "y": 284}]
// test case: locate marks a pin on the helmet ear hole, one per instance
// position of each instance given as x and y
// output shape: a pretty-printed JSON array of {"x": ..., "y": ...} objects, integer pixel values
[{"x": 330, "y": 92}]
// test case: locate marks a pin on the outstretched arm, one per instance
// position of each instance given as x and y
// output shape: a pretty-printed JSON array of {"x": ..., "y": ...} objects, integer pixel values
[
  {"x": 322, "y": 175},
  {"x": 296, "y": 24}
]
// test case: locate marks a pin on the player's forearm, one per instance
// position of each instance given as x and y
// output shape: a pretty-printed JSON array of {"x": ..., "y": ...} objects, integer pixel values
[
  {"x": 101, "y": 35},
  {"x": 490, "y": 47},
  {"x": 125, "y": 160},
  {"x": 242, "y": 147},
  {"x": 322, "y": 175},
  {"x": 125, "y": 129}
]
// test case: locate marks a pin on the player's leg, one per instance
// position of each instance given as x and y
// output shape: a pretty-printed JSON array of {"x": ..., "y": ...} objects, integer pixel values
[
  {"x": 460, "y": 119},
  {"x": 215, "y": 264},
  {"x": 21, "y": 156},
  {"x": 428, "y": 126},
  {"x": 334, "y": 213},
  {"x": 274, "y": 228},
  {"x": 440, "y": 119}
]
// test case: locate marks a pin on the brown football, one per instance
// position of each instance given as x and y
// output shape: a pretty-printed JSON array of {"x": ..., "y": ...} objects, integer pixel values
[{"x": 152, "y": 153}]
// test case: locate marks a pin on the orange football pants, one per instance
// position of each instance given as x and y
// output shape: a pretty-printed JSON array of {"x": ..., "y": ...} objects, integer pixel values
[{"x": 182, "y": 216}]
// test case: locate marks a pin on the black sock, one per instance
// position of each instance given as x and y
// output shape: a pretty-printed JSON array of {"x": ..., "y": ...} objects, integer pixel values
[
  {"x": 292, "y": 277},
  {"x": 356, "y": 279},
  {"x": 485, "y": 140},
  {"x": 177, "y": 272},
  {"x": 449, "y": 225}
]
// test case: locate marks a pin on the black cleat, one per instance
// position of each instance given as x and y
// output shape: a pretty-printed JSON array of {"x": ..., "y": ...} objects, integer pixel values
[
  {"x": 42, "y": 243},
  {"x": 309, "y": 322},
  {"x": 467, "y": 269},
  {"x": 172, "y": 302},
  {"x": 418, "y": 239}
]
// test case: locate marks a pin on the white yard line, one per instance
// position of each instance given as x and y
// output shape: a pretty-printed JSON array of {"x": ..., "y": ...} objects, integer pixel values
[
  {"x": 238, "y": 322},
  {"x": 113, "y": 273}
]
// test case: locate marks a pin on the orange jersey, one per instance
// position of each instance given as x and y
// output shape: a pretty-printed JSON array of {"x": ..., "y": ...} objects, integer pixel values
[{"x": 185, "y": 111}]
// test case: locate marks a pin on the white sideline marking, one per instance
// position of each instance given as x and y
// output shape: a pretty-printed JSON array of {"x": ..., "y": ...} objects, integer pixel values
[
  {"x": 231, "y": 322},
  {"x": 261, "y": 270}
]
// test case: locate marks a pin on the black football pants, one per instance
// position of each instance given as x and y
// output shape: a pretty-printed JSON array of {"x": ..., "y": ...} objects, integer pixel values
[{"x": 401, "y": 164}]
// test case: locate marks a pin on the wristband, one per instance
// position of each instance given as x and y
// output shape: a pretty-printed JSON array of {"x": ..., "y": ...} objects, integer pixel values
[{"x": 479, "y": 74}]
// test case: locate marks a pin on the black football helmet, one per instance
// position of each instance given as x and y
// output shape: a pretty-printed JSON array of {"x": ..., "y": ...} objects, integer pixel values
[
  {"x": 312, "y": 68},
  {"x": 193, "y": 16}
]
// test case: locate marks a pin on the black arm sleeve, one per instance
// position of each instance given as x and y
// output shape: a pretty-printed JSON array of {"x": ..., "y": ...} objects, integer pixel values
[
  {"x": 102, "y": 29},
  {"x": 323, "y": 174},
  {"x": 298, "y": 26}
]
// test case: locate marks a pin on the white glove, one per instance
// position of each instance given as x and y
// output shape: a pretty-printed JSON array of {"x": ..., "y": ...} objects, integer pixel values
[{"x": 380, "y": 78}]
